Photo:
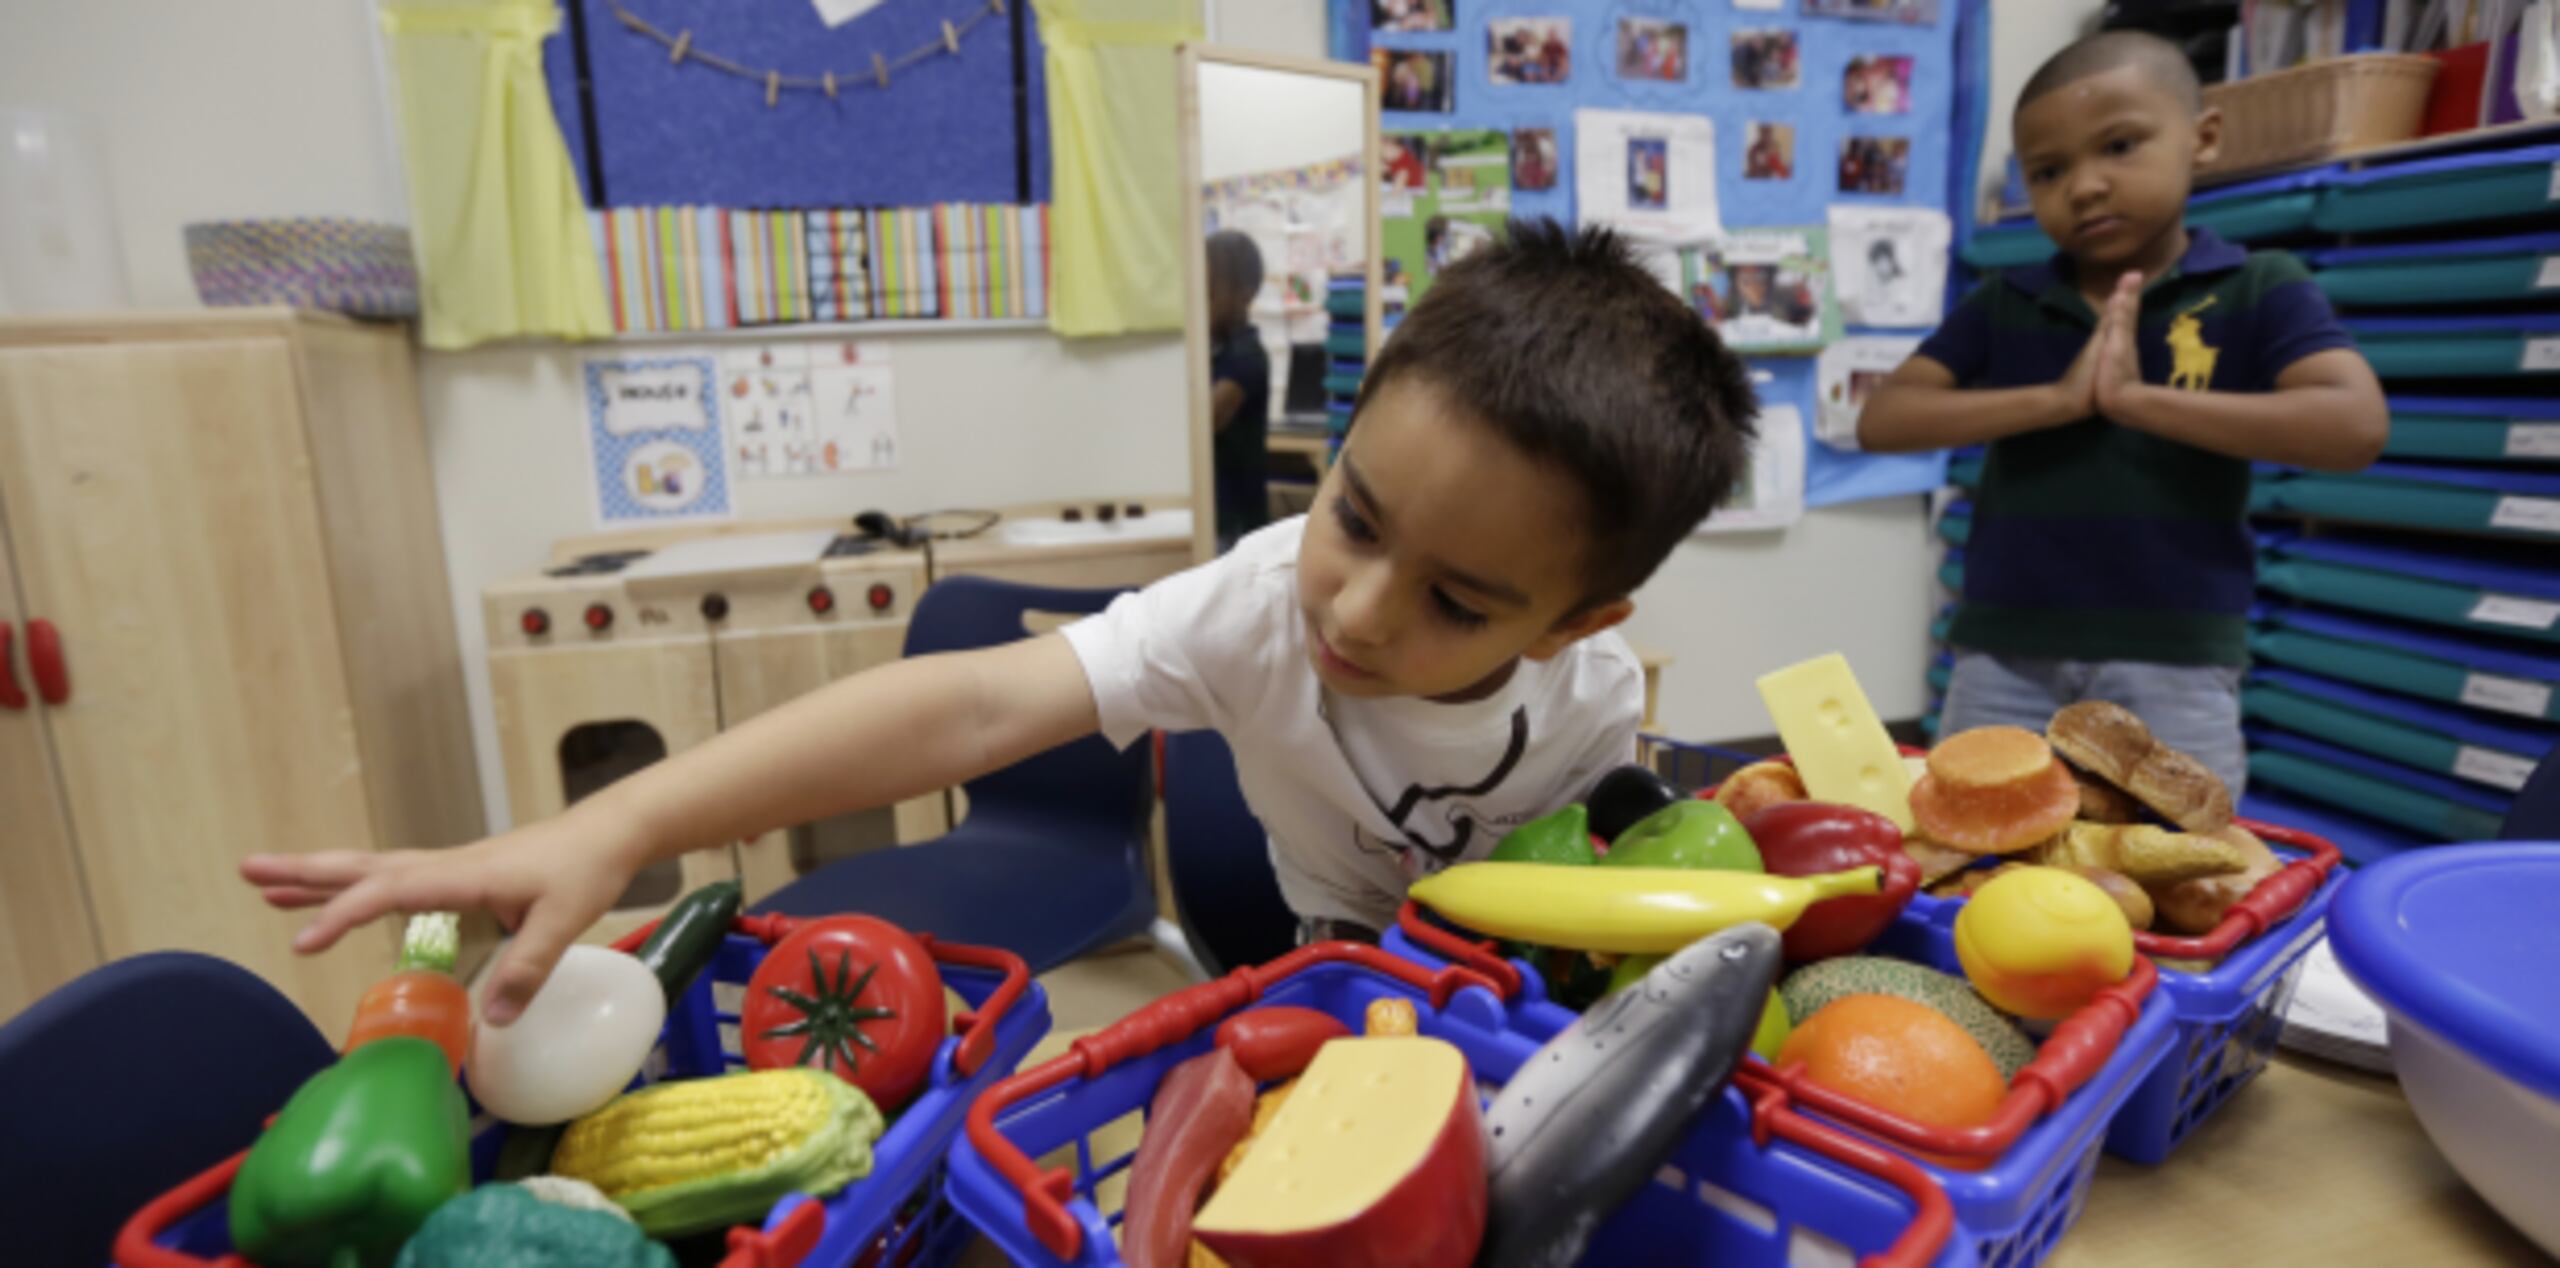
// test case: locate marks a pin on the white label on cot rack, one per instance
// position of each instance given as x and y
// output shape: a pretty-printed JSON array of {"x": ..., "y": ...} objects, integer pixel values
[
  {"x": 2554, "y": 195},
  {"x": 2533, "y": 440},
  {"x": 2491, "y": 767},
  {"x": 2507, "y": 609},
  {"x": 2506, "y": 695},
  {"x": 2550, "y": 275},
  {"x": 2541, "y": 354},
  {"x": 2539, "y": 514}
]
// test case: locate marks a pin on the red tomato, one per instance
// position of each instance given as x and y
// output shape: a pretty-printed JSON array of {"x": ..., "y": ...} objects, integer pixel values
[{"x": 852, "y": 995}]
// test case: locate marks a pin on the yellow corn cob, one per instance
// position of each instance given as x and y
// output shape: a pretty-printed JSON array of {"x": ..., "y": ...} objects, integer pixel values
[{"x": 698, "y": 1154}]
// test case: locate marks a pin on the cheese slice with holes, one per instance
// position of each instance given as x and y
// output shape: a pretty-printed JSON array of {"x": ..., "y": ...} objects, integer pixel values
[
  {"x": 1377, "y": 1158},
  {"x": 1840, "y": 747}
]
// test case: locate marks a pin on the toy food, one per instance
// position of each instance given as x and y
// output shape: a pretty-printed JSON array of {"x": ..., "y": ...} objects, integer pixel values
[
  {"x": 2040, "y": 941},
  {"x": 1936, "y": 861},
  {"x": 1277, "y": 1042},
  {"x": 2102, "y": 802},
  {"x": 1624, "y": 909},
  {"x": 1809, "y": 838},
  {"x": 2136, "y": 902},
  {"x": 1993, "y": 790},
  {"x": 1623, "y": 798},
  {"x": 1388, "y": 1016},
  {"x": 2108, "y": 741},
  {"x": 1377, "y": 1157},
  {"x": 2147, "y": 854},
  {"x": 1265, "y": 1107},
  {"x": 1810, "y": 989},
  {"x": 1900, "y": 1056},
  {"x": 854, "y": 995},
  {"x": 686, "y": 938},
  {"x": 2195, "y": 907},
  {"x": 1686, "y": 833},
  {"x": 507, "y": 1226},
  {"x": 1773, "y": 1026},
  {"x": 1839, "y": 746},
  {"x": 1559, "y": 836},
  {"x": 695, "y": 1154},
  {"x": 421, "y": 997},
  {"x": 577, "y": 1043},
  {"x": 1199, "y": 1113},
  {"x": 1588, "y": 1120},
  {"x": 360, "y": 1156},
  {"x": 1759, "y": 786}
]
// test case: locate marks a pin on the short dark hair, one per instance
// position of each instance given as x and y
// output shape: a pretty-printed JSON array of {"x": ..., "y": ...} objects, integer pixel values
[
  {"x": 1235, "y": 261},
  {"x": 1569, "y": 348},
  {"x": 2157, "y": 58}
]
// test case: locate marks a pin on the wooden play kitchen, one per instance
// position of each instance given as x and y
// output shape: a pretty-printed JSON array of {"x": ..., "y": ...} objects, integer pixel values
[
  {"x": 222, "y": 566},
  {"x": 630, "y": 646}
]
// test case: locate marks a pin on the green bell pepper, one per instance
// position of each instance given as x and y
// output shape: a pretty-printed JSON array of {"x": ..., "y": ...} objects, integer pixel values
[
  {"x": 362, "y": 1154},
  {"x": 1562, "y": 836},
  {"x": 1690, "y": 834}
]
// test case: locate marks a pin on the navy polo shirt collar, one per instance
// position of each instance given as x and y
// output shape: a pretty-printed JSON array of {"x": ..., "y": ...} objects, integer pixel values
[{"x": 2207, "y": 252}]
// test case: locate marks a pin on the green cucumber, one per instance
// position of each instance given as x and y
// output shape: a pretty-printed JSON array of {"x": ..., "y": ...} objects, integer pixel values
[{"x": 686, "y": 938}]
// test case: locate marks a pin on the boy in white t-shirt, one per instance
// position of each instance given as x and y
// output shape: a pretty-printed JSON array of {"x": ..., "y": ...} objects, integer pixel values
[{"x": 1421, "y": 663}]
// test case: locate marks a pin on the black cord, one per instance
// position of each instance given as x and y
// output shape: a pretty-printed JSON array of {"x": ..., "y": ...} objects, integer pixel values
[{"x": 980, "y": 522}]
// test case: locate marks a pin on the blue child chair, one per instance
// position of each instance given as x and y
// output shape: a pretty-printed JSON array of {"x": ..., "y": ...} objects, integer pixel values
[
  {"x": 1217, "y": 859},
  {"x": 127, "y": 1081},
  {"x": 1051, "y": 861}
]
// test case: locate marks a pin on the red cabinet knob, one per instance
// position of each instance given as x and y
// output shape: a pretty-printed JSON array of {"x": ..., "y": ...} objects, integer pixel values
[
  {"x": 44, "y": 657},
  {"x": 881, "y": 597},
  {"x": 821, "y": 600},
  {"x": 534, "y": 622},
  {"x": 12, "y": 696},
  {"x": 599, "y": 617}
]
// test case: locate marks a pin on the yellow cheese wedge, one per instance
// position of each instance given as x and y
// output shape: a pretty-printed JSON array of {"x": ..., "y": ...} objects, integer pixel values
[
  {"x": 1379, "y": 1145},
  {"x": 1839, "y": 745}
]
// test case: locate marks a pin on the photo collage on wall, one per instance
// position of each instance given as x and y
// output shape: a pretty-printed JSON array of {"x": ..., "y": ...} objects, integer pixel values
[{"x": 1743, "y": 145}]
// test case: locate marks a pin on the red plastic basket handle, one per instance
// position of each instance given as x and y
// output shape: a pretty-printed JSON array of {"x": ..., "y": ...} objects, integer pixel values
[
  {"x": 1159, "y": 1025},
  {"x": 784, "y": 1246},
  {"x": 1933, "y": 1219},
  {"x": 1480, "y": 956},
  {"x": 979, "y": 1024},
  {"x": 137, "y": 1244},
  {"x": 2266, "y": 905}
]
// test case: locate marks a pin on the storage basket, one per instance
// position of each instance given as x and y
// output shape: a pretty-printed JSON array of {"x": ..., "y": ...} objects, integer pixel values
[
  {"x": 2320, "y": 110},
  {"x": 356, "y": 267}
]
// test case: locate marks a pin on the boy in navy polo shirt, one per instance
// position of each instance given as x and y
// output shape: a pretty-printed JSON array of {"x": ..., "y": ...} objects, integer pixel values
[{"x": 2124, "y": 389}]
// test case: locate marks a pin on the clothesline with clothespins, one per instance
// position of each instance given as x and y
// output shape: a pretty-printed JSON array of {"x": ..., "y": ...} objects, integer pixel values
[{"x": 681, "y": 49}]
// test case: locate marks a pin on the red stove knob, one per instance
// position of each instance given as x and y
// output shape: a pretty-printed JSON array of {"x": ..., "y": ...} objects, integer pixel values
[
  {"x": 534, "y": 622},
  {"x": 599, "y": 617},
  {"x": 881, "y": 597},
  {"x": 821, "y": 600}
]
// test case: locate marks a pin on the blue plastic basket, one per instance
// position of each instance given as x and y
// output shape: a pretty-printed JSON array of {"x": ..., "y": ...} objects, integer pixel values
[
  {"x": 1722, "y": 1199},
  {"x": 2229, "y": 1007},
  {"x": 2012, "y": 1212},
  {"x": 898, "y": 1215}
]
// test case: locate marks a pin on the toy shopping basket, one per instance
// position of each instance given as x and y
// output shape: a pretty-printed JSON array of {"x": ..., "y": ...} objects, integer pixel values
[
  {"x": 1755, "y": 1183},
  {"x": 897, "y": 1215},
  {"x": 2229, "y": 987},
  {"x": 2039, "y": 1150}
]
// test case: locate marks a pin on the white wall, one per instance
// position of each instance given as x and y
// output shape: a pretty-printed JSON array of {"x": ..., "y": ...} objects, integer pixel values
[
  {"x": 2023, "y": 34},
  {"x": 1294, "y": 27},
  {"x": 1257, "y": 120}
]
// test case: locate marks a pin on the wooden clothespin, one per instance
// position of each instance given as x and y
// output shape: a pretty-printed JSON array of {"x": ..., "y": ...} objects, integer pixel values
[
  {"x": 684, "y": 42},
  {"x": 772, "y": 88},
  {"x": 829, "y": 81},
  {"x": 950, "y": 38},
  {"x": 997, "y": 5},
  {"x": 880, "y": 67}
]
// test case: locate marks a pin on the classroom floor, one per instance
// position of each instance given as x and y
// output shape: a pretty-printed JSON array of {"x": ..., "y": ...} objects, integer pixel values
[{"x": 1094, "y": 991}]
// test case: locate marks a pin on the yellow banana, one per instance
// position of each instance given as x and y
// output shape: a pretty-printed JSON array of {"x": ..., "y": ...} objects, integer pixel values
[{"x": 1655, "y": 910}]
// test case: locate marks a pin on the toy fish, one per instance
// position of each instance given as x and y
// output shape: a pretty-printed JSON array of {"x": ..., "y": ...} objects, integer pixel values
[{"x": 1588, "y": 1121}]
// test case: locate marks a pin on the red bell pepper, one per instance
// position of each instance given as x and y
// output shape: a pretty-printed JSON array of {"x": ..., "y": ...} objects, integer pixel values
[{"x": 1809, "y": 838}]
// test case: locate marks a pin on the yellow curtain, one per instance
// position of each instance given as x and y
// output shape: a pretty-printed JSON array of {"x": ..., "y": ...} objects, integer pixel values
[
  {"x": 503, "y": 245},
  {"x": 1115, "y": 218}
]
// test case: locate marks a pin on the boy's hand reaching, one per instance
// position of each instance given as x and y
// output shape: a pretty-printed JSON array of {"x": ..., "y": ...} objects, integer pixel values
[{"x": 547, "y": 882}]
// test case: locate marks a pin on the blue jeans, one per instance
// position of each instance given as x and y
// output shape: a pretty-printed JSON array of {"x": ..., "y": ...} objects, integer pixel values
[{"x": 2194, "y": 708}]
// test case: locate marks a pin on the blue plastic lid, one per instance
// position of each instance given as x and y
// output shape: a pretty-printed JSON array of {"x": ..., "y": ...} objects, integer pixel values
[{"x": 2459, "y": 939}]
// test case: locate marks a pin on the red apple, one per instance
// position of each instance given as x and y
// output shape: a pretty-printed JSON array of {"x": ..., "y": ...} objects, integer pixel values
[
  {"x": 1809, "y": 838},
  {"x": 1377, "y": 1160}
]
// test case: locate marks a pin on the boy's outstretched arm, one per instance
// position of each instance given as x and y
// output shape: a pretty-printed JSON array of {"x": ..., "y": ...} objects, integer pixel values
[{"x": 898, "y": 731}]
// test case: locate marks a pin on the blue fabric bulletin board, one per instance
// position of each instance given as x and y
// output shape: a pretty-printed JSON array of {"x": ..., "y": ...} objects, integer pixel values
[{"x": 944, "y": 131}]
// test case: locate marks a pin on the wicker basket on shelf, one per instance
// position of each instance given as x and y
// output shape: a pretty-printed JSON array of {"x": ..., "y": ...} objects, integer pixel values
[{"x": 2321, "y": 110}]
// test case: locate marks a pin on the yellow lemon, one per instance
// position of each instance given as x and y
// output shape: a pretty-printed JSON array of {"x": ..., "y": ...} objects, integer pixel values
[{"x": 2039, "y": 941}]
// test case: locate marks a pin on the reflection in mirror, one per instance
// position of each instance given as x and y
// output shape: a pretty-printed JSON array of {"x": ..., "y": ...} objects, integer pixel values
[{"x": 1285, "y": 222}]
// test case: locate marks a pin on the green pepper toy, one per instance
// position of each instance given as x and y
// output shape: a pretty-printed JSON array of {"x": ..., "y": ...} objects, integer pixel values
[
  {"x": 1562, "y": 836},
  {"x": 361, "y": 1155},
  {"x": 1690, "y": 834}
]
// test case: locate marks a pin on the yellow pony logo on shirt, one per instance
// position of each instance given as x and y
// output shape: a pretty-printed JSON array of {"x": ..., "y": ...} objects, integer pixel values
[{"x": 2190, "y": 361}]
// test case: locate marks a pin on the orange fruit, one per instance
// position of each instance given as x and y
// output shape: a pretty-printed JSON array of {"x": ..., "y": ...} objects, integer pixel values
[{"x": 1900, "y": 1056}]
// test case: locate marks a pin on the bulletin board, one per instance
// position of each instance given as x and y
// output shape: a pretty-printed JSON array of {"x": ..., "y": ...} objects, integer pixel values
[
  {"x": 645, "y": 129},
  {"x": 1788, "y": 88}
]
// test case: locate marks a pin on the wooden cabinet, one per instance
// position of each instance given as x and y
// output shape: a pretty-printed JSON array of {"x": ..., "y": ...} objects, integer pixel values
[{"x": 226, "y": 523}]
